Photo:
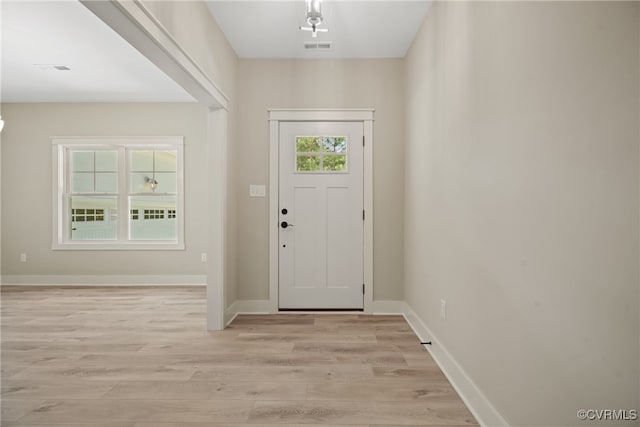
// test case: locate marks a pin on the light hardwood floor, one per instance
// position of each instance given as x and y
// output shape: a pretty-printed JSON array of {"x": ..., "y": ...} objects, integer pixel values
[{"x": 141, "y": 357}]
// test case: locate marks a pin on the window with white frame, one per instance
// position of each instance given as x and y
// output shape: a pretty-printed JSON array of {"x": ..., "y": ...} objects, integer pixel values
[
  {"x": 321, "y": 154},
  {"x": 118, "y": 193}
]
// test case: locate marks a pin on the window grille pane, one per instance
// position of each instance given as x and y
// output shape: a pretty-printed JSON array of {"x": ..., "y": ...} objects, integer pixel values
[
  {"x": 140, "y": 182},
  {"x": 166, "y": 161},
  {"x": 166, "y": 182},
  {"x": 94, "y": 171},
  {"x": 307, "y": 163},
  {"x": 141, "y": 160},
  {"x": 335, "y": 163},
  {"x": 106, "y": 182},
  {"x": 82, "y": 161},
  {"x": 106, "y": 161},
  {"x": 82, "y": 182},
  {"x": 154, "y": 223},
  {"x": 153, "y": 171},
  {"x": 90, "y": 219},
  {"x": 307, "y": 144},
  {"x": 334, "y": 144}
]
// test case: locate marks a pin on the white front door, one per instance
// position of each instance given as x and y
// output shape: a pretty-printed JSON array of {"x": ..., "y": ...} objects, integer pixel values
[{"x": 321, "y": 215}]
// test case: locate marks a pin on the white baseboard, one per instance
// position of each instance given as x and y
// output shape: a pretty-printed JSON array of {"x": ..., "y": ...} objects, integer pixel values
[
  {"x": 481, "y": 408},
  {"x": 264, "y": 307},
  {"x": 229, "y": 315},
  {"x": 105, "y": 280},
  {"x": 245, "y": 306}
]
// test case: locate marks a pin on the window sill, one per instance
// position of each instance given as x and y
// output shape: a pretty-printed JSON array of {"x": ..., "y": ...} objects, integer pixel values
[{"x": 118, "y": 246}]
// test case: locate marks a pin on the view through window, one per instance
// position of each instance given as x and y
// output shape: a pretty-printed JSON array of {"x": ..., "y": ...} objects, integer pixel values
[
  {"x": 321, "y": 154},
  {"x": 120, "y": 193}
]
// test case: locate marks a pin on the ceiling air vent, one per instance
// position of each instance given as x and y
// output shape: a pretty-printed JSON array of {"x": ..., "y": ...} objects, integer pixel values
[
  {"x": 317, "y": 46},
  {"x": 52, "y": 67}
]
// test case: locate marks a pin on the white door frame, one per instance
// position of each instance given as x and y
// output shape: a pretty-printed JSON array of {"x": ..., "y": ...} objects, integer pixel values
[{"x": 365, "y": 116}]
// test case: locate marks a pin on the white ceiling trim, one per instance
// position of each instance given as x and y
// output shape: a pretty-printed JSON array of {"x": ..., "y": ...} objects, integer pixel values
[{"x": 138, "y": 26}]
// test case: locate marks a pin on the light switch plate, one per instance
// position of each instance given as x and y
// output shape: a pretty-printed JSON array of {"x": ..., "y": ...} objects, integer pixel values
[{"x": 257, "y": 191}]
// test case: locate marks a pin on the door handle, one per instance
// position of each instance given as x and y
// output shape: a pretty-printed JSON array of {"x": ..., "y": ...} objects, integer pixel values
[{"x": 285, "y": 224}]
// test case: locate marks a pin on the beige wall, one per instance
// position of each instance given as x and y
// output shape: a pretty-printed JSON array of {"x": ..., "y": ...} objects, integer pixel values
[
  {"x": 27, "y": 185},
  {"x": 197, "y": 32},
  {"x": 522, "y": 200},
  {"x": 265, "y": 84},
  {"x": 191, "y": 24}
]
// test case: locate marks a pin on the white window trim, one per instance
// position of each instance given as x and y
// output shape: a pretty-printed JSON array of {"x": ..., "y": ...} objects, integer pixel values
[{"x": 60, "y": 230}]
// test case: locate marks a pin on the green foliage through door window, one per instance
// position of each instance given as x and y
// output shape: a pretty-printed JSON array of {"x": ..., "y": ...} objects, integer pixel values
[{"x": 321, "y": 154}]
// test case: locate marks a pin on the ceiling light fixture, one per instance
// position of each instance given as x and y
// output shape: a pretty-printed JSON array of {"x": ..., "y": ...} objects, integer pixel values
[{"x": 314, "y": 18}]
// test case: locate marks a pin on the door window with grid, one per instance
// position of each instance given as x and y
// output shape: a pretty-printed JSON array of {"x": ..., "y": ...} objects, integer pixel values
[{"x": 321, "y": 154}]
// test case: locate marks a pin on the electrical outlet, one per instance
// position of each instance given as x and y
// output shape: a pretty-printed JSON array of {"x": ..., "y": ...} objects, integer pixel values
[
  {"x": 203, "y": 257},
  {"x": 23, "y": 257},
  {"x": 443, "y": 309}
]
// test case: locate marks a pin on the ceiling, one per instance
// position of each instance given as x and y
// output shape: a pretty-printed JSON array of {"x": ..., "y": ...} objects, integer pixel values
[
  {"x": 103, "y": 66},
  {"x": 357, "y": 29}
]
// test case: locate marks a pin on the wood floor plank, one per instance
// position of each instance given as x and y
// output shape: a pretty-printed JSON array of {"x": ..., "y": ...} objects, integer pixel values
[
  {"x": 177, "y": 411},
  {"x": 350, "y": 353},
  {"x": 141, "y": 357},
  {"x": 302, "y": 374},
  {"x": 67, "y": 424},
  {"x": 383, "y": 391},
  {"x": 406, "y": 413},
  {"x": 400, "y": 372},
  {"x": 10, "y": 369},
  {"x": 203, "y": 360},
  {"x": 37, "y": 347},
  {"x": 209, "y": 347},
  {"x": 342, "y": 347},
  {"x": 418, "y": 359},
  {"x": 276, "y": 319},
  {"x": 108, "y": 373},
  {"x": 241, "y": 425},
  {"x": 43, "y": 389},
  {"x": 306, "y": 337},
  {"x": 14, "y": 409},
  {"x": 39, "y": 357},
  {"x": 247, "y": 390}
]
